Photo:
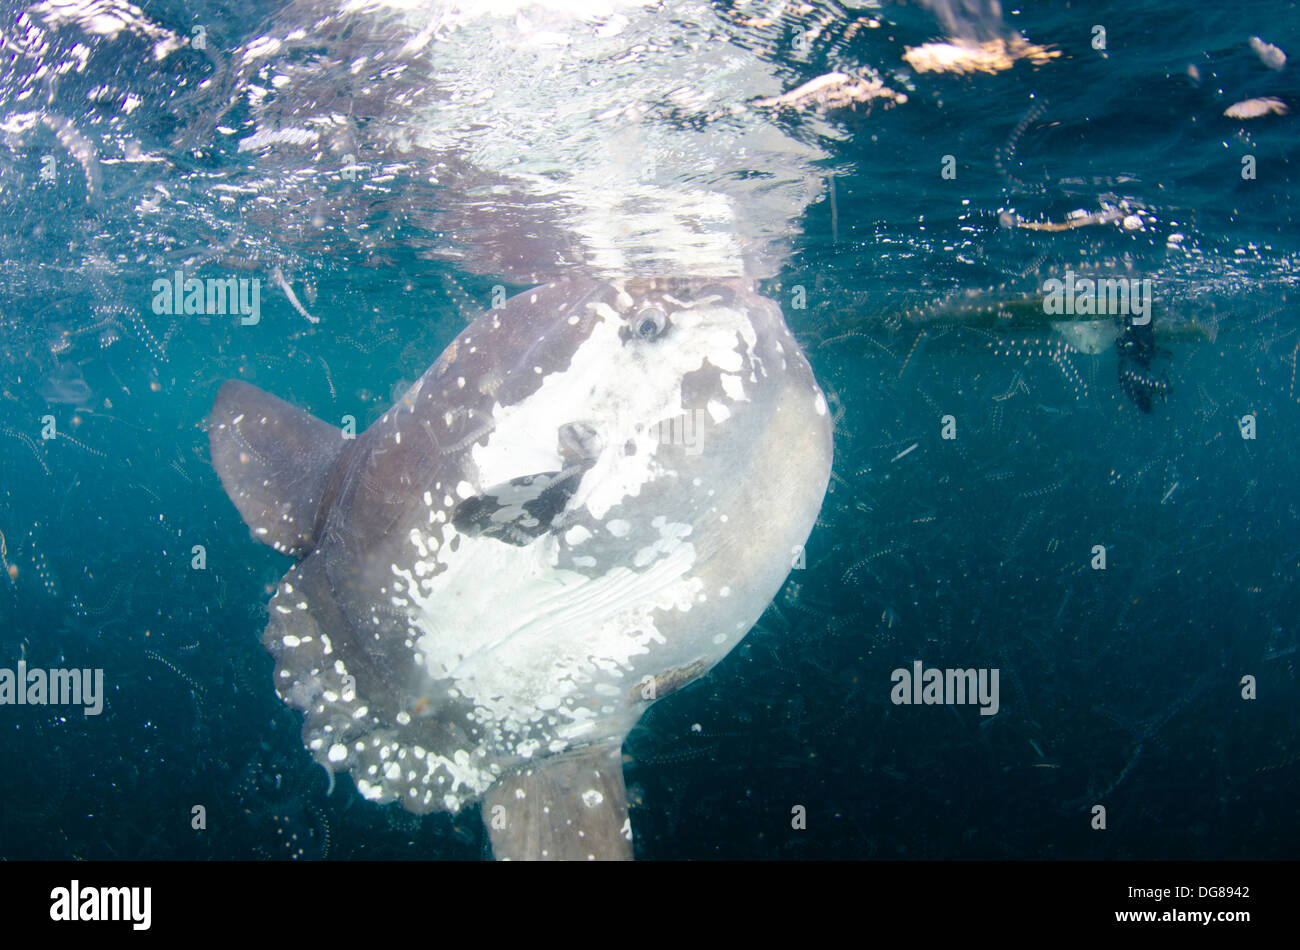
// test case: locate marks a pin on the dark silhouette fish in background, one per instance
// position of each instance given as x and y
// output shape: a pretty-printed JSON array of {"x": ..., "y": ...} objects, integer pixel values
[
  {"x": 584, "y": 504},
  {"x": 1140, "y": 375}
]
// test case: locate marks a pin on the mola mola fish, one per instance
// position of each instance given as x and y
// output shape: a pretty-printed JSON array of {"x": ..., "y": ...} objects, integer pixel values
[{"x": 583, "y": 505}]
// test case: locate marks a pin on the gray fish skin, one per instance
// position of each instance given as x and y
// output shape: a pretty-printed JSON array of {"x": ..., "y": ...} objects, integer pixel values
[
  {"x": 584, "y": 504},
  {"x": 535, "y": 812}
]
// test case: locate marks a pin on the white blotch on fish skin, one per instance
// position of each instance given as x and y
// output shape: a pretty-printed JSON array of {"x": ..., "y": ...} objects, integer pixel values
[
  {"x": 819, "y": 404},
  {"x": 576, "y": 535},
  {"x": 592, "y": 797},
  {"x": 338, "y": 752},
  {"x": 733, "y": 387},
  {"x": 553, "y": 656},
  {"x": 670, "y": 536}
]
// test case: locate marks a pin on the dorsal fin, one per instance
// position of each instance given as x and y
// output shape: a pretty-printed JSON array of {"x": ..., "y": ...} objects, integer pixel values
[{"x": 275, "y": 462}]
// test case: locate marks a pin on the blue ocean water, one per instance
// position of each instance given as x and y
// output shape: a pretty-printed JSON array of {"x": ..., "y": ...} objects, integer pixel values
[{"x": 1162, "y": 687}]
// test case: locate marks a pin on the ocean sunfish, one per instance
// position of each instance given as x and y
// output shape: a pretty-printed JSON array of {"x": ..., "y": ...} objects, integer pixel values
[{"x": 583, "y": 505}]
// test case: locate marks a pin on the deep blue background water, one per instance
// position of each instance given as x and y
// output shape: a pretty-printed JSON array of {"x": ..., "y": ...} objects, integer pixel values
[{"x": 1119, "y": 686}]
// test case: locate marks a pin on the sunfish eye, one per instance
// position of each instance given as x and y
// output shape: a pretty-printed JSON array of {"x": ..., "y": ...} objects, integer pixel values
[{"x": 650, "y": 322}]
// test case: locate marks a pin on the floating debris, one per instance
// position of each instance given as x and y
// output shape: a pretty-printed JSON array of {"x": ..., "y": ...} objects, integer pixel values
[
  {"x": 833, "y": 91},
  {"x": 1268, "y": 54},
  {"x": 962, "y": 57},
  {"x": 277, "y": 276},
  {"x": 1254, "y": 108}
]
